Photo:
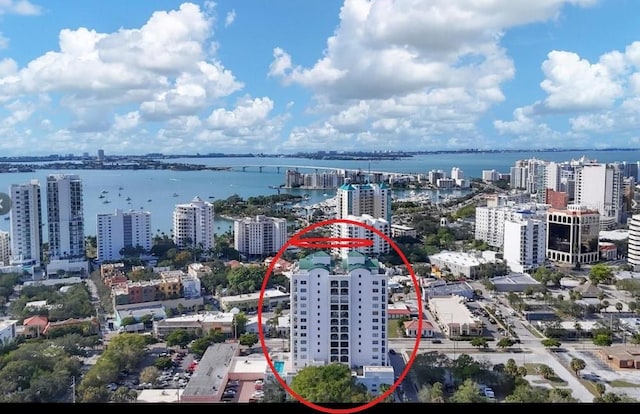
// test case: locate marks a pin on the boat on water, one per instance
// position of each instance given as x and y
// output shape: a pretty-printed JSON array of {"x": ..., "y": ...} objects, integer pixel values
[
  {"x": 101, "y": 196},
  {"x": 175, "y": 194},
  {"x": 106, "y": 202},
  {"x": 149, "y": 200},
  {"x": 120, "y": 188},
  {"x": 128, "y": 198},
  {"x": 104, "y": 191}
]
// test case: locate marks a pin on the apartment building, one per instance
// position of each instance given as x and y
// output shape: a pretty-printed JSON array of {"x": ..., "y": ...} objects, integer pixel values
[
  {"x": 490, "y": 221},
  {"x": 259, "y": 235},
  {"x": 193, "y": 224},
  {"x": 65, "y": 217},
  {"x": 26, "y": 226},
  {"x": 600, "y": 187},
  {"x": 5, "y": 248},
  {"x": 338, "y": 311},
  {"x": 524, "y": 249},
  {"x": 121, "y": 230},
  {"x": 354, "y": 231},
  {"x": 633, "y": 249}
]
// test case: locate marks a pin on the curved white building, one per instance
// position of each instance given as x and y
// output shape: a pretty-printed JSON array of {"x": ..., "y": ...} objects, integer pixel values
[{"x": 193, "y": 224}]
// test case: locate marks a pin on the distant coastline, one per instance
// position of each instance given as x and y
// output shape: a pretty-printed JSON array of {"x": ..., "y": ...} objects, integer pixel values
[{"x": 151, "y": 160}]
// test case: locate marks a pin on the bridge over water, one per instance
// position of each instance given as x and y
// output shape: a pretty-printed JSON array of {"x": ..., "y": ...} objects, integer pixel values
[{"x": 307, "y": 168}]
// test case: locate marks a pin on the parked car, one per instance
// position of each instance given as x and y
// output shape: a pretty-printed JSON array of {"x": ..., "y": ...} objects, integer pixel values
[{"x": 436, "y": 341}]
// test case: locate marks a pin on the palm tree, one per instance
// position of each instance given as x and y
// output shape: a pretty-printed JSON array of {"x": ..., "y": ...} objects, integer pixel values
[
  {"x": 578, "y": 329},
  {"x": 546, "y": 371}
]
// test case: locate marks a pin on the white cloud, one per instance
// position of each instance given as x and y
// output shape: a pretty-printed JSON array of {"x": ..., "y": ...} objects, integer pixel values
[
  {"x": 574, "y": 84},
  {"x": 444, "y": 55},
  {"x": 603, "y": 98},
  {"x": 231, "y": 16},
  {"x": 22, "y": 7}
]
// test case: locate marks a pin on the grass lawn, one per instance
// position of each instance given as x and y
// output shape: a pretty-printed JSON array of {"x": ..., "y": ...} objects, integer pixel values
[
  {"x": 554, "y": 380},
  {"x": 392, "y": 329},
  {"x": 623, "y": 384}
]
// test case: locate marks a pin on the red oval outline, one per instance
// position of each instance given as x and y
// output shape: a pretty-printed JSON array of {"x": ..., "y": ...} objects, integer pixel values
[{"x": 261, "y": 336}]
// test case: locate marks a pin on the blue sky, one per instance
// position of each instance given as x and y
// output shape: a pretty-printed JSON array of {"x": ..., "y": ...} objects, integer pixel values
[{"x": 283, "y": 76}]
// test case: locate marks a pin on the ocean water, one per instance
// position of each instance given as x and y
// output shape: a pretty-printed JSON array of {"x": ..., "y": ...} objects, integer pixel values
[{"x": 158, "y": 191}]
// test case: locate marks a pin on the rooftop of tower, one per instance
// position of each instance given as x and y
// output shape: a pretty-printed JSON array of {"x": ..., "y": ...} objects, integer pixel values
[{"x": 354, "y": 260}]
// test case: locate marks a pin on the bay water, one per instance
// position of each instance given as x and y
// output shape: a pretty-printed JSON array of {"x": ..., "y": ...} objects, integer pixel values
[{"x": 158, "y": 191}]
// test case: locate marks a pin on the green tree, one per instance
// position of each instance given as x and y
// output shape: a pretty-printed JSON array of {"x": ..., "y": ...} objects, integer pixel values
[
  {"x": 248, "y": 339},
  {"x": 602, "y": 340},
  {"x": 577, "y": 365},
  {"x": 479, "y": 342},
  {"x": 274, "y": 392},
  {"x": 162, "y": 363},
  {"x": 124, "y": 395},
  {"x": 467, "y": 392},
  {"x": 179, "y": 337},
  {"x": 505, "y": 343},
  {"x": 546, "y": 371},
  {"x": 331, "y": 383},
  {"x": 239, "y": 323},
  {"x": 600, "y": 273},
  {"x": 149, "y": 374},
  {"x": 551, "y": 343}
]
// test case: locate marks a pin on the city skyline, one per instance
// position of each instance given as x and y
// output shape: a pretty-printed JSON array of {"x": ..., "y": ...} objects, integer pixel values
[{"x": 283, "y": 77}]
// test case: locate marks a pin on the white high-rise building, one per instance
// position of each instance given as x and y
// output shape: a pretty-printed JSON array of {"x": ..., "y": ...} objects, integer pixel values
[
  {"x": 373, "y": 200},
  {"x": 5, "y": 248},
  {"x": 119, "y": 230},
  {"x": 193, "y": 224},
  {"x": 354, "y": 231},
  {"x": 524, "y": 247},
  {"x": 600, "y": 187},
  {"x": 490, "y": 221},
  {"x": 338, "y": 311},
  {"x": 26, "y": 224},
  {"x": 260, "y": 235},
  {"x": 359, "y": 199},
  {"x": 65, "y": 216},
  {"x": 633, "y": 245}
]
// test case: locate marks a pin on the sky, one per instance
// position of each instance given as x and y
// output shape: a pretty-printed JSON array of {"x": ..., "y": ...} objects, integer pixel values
[{"x": 288, "y": 76}]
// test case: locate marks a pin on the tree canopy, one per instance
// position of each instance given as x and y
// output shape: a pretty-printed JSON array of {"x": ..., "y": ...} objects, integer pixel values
[{"x": 331, "y": 383}]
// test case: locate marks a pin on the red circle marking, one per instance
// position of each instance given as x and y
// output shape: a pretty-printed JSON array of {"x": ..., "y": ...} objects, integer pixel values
[{"x": 296, "y": 239}]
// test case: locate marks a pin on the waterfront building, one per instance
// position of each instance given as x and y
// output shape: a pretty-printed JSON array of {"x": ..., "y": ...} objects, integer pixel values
[
  {"x": 633, "y": 252},
  {"x": 489, "y": 176},
  {"x": 259, "y": 235},
  {"x": 338, "y": 310},
  {"x": 5, "y": 248},
  {"x": 600, "y": 187},
  {"x": 359, "y": 199},
  {"x": 524, "y": 248},
  {"x": 193, "y": 224},
  {"x": 121, "y": 230},
  {"x": 490, "y": 221},
  {"x": 572, "y": 235},
  {"x": 65, "y": 217},
  {"x": 26, "y": 225}
]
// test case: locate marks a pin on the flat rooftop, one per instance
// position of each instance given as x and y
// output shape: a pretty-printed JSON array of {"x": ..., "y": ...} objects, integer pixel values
[
  {"x": 251, "y": 364},
  {"x": 214, "y": 365}
]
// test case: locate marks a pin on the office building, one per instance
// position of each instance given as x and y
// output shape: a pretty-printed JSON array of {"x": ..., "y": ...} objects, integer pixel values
[
  {"x": 572, "y": 235},
  {"x": 193, "y": 224},
  {"x": 26, "y": 225},
  {"x": 260, "y": 235},
  {"x": 122, "y": 230},
  {"x": 338, "y": 311}
]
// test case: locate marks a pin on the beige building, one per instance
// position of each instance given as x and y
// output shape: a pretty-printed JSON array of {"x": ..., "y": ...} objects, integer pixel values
[
  {"x": 248, "y": 302},
  {"x": 454, "y": 317}
]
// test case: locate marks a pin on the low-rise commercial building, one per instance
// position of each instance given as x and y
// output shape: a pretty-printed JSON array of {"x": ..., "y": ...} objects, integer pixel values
[
  {"x": 454, "y": 317},
  {"x": 248, "y": 302}
]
